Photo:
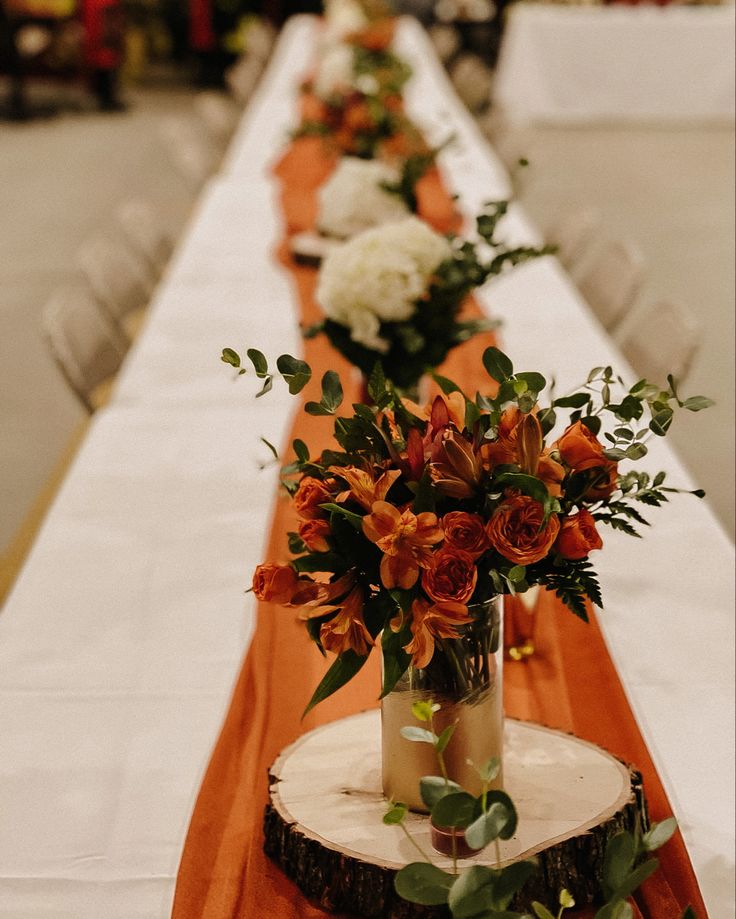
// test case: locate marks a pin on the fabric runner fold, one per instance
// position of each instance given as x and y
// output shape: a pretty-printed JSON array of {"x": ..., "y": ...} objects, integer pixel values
[{"x": 571, "y": 684}]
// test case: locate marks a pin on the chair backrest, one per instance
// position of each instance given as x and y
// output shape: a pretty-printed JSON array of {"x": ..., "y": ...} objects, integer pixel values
[
  {"x": 664, "y": 338},
  {"x": 612, "y": 282},
  {"x": 144, "y": 232},
  {"x": 218, "y": 113},
  {"x": 189, "y": 148},
  {"x": 86, "y": 344},
  {"x": 242, "y": 77},
  {"x": 118, "y": 277},
  {"x": 573, "y": 234}
]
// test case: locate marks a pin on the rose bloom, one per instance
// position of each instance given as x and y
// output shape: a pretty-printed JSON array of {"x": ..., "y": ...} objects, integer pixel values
[
  {"x": 605, "y": 479},
  {"x": 451, "y": 575},
  {"x": 314, "y": 533},
  {"x": 466, "y": 532},
  {"x": 515, "y": 530},
  {"x": 578, "y": 536},
  {"x": 580, "y": 448},
  {"x": 310, "y": 494},
  {"x": 275, "y": 583}
]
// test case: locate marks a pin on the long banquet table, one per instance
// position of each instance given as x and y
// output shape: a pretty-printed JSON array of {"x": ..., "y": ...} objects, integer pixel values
[{"x": 121, "y": 641}]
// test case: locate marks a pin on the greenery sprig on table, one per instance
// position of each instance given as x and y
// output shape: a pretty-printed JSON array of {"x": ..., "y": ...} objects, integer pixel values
[
  {"x": 418, "y": 514},
  {"x": 484, "y": 892}
]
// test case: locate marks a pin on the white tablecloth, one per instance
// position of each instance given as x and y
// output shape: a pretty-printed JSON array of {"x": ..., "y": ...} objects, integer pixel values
[
  {"x": 600, "y": 63},
  {"x": 120, "y": 644}
]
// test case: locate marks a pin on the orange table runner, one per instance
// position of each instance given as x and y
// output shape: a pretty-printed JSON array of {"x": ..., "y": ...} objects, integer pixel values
[{"x": 571, "y": 684}]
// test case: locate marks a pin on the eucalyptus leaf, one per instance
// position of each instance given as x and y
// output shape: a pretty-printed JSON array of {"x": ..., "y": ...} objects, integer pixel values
[
  {"x": 566, "y": 899},
  {"x": 418, "y": 735},
  {"x": 267, "y": 387},
  {"x": 270, "y": 447},
  {"x": 659, "y": 834},
  {"x": 637, "y": 877},
  {"x": 618, "y": 909},
  {"x": 395, "y": 815},
  {"x": 473, "y": 892},
  {"x": 541, "y": 911},
  {"x": 423, "y": 711},
  {"x": 618, "y": 861},
  {"x": 260, "y": 364},
  {"x": 455, "y": 810},
  {"x": 444, "y": 738},
  {"x": 535, "y": 381},
  {"x": 488, "y": 826},
  {"x": 230, "y": 357},
  {"x": 434, "y": 787},
  {"x": 576, "y": 400},
  {"x": 422, "y": 883},
  {"x": 511, "y": 880},
  {"x": 490, "y": 769},
  {"x": 332, "y": 394},
  {"x": 296, "y": 373},
  {"x": 497, "y": 364},
  {"x": 697, "y": 403}
]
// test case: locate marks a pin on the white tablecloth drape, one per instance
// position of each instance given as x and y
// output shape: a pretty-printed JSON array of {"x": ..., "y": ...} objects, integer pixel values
[
  {"x": 576, "y": 64},
  {"x": 121, "y": 641}
]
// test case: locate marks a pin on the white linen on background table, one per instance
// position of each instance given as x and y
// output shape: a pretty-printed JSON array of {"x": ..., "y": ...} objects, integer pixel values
[
  {"x": 121, "y": 641},
  {"x": 575, "y": 64}
]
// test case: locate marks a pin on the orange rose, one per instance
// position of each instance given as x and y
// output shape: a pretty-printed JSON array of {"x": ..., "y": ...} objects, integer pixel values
[
  {"x": 604, "y": 481},
  {"x": 314, "y": 533},
  {"x": 580, "y": 448},
  {"x": 578, "y": 536},
  {"x": 358, "y": 117},
  {"x": 516, "y": 531},
  {"x": 275, "y": 583},
  {"x": 310, "y": 494},
  {"x": 313, "y": 109},
  {"x": 466, "y": 532},
  {"x": 451, "y": 575},
  {"x": 375, "y": 37}
]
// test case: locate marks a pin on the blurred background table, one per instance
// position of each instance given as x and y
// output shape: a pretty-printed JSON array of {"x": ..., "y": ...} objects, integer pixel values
[{"x": 571, "y": 63}]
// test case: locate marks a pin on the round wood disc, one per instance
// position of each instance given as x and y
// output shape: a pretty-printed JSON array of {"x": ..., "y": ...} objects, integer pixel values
[{"x": 324, "y": 823}]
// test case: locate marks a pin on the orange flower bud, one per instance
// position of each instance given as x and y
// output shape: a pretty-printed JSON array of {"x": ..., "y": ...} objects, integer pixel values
[
  {"x": 578, "y": 536},
  {"x": 275, "y": 583}
]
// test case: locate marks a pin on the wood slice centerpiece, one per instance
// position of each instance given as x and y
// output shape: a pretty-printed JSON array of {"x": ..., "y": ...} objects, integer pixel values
[{"x": 324, "y": 823}]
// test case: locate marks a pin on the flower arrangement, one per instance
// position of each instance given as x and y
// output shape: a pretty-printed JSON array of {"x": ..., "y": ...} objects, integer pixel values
[
  {"x": 423, "y": 513},
  {"x": 393, "y": 293},
  {"x": 358, "y": 196}
]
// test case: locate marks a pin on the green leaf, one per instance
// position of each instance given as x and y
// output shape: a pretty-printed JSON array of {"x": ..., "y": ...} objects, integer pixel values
[
  {"x": 316, "y": 408},
  {"x": 489, "y": 826},
  {"x": 689, "y": 913},
  {"x": 535, "y": 381},
  {"x": 354, "y": 519},
  {"x": 343, "y": 669},
  {"x": 296, "y": 373},
  {"x": 270, "y": 447},
  {"x": 301, "y": 450},
  {"x": 636, "y": 451},
  {"x": 511, "y": 880},
  {"x": 661, "y": 421},
  {"x": 446, "y": 385},
  {"x": 230, "y": 357},
  {"x": 377, "y": 382},
  {"x": 527, "y": 484},
  {"x": 659, "y": 834},
  {"x": 473, "y": 892},
  {"x": 260, "y": 364},
  {"x": 497, "y": 364},
  {"x": 618, "y": 861},
  {"x": 455, "y": 810},
  {"x": 576, "y": 400},
  {"x": 541, "y": 911},
  {"x": 444, "y": 738},
  {"x": 332, "y": 390},
  {"x": 395, "y": 814},
  {"x": 395, "y": 659},
  {"x": 423, "y": 711},
  {"x": 490, "y": 769},
  {"x": 267, "y": 387},
  {"x": 566, "y": 900},
  {"x": 418, "y": 735},
  {"x": 618, "y": 909},
  {"x": 422, "y": 883},
  {"x": 434, "y": 787},
  {"x": 697, "y": 403},
  {"x": 637, "y": 877}
]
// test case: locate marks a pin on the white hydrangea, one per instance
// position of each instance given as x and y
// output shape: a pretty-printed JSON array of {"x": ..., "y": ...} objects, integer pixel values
[
  {"x": 343, "y": 17},
  {"x": 379, "y": 275},
  {"x": 353, "y": 199},
  {"x": 335, "y": 71}
]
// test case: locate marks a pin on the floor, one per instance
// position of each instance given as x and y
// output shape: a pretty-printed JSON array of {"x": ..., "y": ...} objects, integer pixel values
[{"x": 60, "y": 180}]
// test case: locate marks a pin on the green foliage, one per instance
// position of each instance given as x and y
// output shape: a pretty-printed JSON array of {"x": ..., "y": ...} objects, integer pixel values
[
  {"x": 332, "y": 396},
  {"x": 422, "y": 883},
  {"x": 343, "y": 669},
  {"x": 434, "y": 787}
]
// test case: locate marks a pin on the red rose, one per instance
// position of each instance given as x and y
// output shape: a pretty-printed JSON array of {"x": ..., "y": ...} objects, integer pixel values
[
  {"x": 516, "y": 531},
  {"x": 466, "y": 532},
  {"x": 578, "y": 536},
  {"x": 451, "y": 575}
]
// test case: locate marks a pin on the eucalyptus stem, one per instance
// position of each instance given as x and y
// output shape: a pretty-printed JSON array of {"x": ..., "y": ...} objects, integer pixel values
[
  {"x": 497, "y": 846},
  {"x": 416, "y": 845}
]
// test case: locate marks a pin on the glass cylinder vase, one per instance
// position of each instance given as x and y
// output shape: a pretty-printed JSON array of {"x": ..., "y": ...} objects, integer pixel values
[{"x": 465, "y": 678}]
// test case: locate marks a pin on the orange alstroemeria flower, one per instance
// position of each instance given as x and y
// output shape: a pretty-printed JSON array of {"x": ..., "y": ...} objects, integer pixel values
[
  {"x": 520, "y": 443},
  {"x": 347, "y": 630},
  {"x": 456, "y": 469},
  {"x": 406, "y": 540},
  {"x": 363, "y": 487},
  {"x": 431, "y": 621}
]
